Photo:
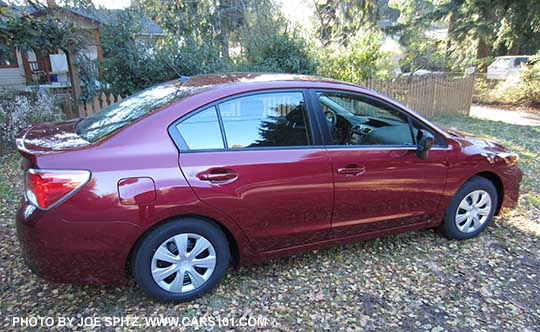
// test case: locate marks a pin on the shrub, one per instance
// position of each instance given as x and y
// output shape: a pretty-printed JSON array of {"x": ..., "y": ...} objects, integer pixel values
[
  {"x": 22, "y": 109},
  {"x": 276, "y": 51},
  {"x": 363, "y": 58}
]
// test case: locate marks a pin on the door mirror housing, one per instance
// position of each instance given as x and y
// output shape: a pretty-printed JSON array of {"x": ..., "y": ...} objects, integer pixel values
[{"x": 424, "y": 143}]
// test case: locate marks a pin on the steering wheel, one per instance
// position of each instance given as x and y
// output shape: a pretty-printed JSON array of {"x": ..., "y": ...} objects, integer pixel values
[{"x": 331, "y": 118}]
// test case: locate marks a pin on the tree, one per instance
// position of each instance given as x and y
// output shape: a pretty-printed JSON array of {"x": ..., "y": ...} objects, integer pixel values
[{"x": 338, "y": 19}]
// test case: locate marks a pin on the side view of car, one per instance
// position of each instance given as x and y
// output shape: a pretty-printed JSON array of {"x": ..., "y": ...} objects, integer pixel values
[
  {"x": 505, "y": 66},
  {"x": 180, "y": 181}
]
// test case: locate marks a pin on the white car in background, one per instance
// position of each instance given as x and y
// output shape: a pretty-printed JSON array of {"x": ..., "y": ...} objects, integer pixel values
[{"x": 505, "y": 66}]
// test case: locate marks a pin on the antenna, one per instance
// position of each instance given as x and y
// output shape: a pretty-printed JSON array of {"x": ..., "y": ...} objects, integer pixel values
[{"x": 181, "y": 78}]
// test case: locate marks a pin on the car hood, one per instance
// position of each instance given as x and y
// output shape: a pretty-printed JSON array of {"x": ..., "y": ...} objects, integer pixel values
[
  {"x": 468, "y": 141},
  {"x": 50, "y": 137}
]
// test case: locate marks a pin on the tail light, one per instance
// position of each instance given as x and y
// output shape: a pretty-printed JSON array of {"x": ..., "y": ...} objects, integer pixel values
[{"x": 47, "y": 188}]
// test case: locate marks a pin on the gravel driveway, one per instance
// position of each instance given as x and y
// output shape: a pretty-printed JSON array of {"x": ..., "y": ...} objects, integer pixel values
[
  {"x": 416, "y": 281},
  {"x": 509, "y": 116}
]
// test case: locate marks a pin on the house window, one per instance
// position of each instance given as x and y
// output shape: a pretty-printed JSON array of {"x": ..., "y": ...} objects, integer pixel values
[{"x": 8, "y": 59}]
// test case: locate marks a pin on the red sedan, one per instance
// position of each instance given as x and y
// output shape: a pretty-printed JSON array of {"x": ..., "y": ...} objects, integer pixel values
[{"x": 179, "y": 181}]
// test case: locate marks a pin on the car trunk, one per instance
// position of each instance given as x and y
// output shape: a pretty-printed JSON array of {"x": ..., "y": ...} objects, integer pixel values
[{"x": 46, "y": 138}]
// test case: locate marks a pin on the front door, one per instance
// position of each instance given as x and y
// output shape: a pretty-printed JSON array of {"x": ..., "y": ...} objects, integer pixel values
[
  {"x": 380, "y": 183},
  {"x": 253, "y": 157}
]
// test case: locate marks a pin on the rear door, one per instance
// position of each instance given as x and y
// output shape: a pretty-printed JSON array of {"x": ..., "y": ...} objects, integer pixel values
[
  {"x": 380, "y": 183},
  {"x": 254, "y": 157}
]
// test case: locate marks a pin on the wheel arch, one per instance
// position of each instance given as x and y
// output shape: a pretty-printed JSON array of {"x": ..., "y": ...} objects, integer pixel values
[
  {"x": 233, "y": 243},
  {"x": 497, "y": 182}
]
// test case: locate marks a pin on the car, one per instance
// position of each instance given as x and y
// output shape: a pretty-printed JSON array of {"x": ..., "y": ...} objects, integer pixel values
[
  {"x": 174, "y": 184},
  {"x": 506, "y": 66}
]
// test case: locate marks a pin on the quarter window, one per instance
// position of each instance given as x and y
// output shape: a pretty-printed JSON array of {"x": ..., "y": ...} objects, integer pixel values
[
  {"x": 265, "y": 120},
  {"x": 356, "y": 121},
  {"x": 201, "y": 131}
]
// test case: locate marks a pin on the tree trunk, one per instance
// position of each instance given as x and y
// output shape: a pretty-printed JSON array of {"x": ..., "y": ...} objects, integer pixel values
[
  {"x": 451, "y": 24},
  {"x": 514, "y": 49},
  {"x": 483, "y": 51}
]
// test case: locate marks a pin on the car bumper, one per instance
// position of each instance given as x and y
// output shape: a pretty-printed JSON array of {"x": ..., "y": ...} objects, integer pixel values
[{"x": 69, "y": 252}]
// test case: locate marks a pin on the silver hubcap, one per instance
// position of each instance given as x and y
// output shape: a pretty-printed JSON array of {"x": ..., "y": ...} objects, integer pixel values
[
  {"x": 183, "y": 263},
  {"x": 473, "y": 211}
]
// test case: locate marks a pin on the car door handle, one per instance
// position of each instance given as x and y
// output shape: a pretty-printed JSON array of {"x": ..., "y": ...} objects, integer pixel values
[
  {"x": 217, "y": 175},
  {"x": 351, "y": 170}
]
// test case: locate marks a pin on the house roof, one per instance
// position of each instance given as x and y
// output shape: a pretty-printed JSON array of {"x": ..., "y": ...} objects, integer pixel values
[{"x": 96, "y": 15}]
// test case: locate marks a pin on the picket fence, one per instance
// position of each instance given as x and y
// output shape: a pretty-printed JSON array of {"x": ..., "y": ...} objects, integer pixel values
[
  {"x": 92, "y": 106},
  {"x": 429, "y": 94}
]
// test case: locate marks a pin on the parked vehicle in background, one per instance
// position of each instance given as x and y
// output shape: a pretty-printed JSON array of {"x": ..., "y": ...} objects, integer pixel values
[
  {"x": 177, "y": 182},
  {"x": 505, "y": 66}
]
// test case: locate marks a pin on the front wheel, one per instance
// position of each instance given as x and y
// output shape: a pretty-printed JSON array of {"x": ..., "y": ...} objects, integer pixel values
[
  {"x": 181, "y": 260},
  {"x": 470, "y": 210}
]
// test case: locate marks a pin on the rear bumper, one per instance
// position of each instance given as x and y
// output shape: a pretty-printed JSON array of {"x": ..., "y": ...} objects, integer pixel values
[{"x": 67, "y": 252}]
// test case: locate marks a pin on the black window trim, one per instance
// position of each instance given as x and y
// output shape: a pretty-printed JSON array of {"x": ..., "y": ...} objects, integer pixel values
[
  {"x": 325, "y": 133},
  {"x": 313, "y": 126}
]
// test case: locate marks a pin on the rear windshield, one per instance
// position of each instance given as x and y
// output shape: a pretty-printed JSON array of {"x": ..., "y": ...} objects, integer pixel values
[{"x": 132, "y": 108}]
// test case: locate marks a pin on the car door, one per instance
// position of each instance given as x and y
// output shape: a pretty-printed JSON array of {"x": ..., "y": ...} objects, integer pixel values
[
  {"x": 255, "y": 158},
  {"x": 380, "y": 183}
]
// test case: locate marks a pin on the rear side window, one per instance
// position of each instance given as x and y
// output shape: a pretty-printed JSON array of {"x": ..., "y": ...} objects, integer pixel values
[
  {"x": 201, "y": 131},
  {"x": 265, "y": 120}
]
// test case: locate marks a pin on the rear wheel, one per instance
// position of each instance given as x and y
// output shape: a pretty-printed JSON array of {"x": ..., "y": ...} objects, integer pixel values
[
  {"x": 181, "y": 260},
  {"x": 470, "y": 210}
]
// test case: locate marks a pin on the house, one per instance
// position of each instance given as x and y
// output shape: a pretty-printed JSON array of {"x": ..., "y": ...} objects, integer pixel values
[{"x": 19, "y": 69}]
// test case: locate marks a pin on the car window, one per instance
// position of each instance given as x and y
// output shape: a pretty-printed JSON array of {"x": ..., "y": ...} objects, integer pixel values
[
  {"x": 201, "y": 131},
  {"x": 353, "y": 120},
  {"x": 502, "y": 63},
  {"x": 131, "y": 108},
  {"x": 521, "y": 61},
  {"x": 265, "y": 120},
  {"x": 417, "y": 125}
]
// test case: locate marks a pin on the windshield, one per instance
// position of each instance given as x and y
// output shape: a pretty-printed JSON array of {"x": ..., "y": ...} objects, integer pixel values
[
  {"x": 502, "y": 63},
  {"x": 132, "y": 108}
]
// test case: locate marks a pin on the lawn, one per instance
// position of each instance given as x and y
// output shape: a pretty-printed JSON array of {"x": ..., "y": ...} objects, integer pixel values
[{"x": 414, "y": 281}]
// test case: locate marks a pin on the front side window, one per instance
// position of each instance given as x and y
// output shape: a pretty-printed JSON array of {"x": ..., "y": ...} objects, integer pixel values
[
  {"x": 357, "y": 121},
  {"x": 265, "y": 120},
  {"x": 201, "y": 131}
]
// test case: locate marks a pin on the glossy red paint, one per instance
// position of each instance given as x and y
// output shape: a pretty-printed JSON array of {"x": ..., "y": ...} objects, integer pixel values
[{"x": 270, "y": 202}]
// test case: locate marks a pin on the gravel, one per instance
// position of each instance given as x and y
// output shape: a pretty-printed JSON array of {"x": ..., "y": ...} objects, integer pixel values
[{"x": 414, "y": 281}]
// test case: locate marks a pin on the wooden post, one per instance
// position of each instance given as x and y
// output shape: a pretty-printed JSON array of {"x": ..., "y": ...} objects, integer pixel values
[{"x": 74, "y": 78}]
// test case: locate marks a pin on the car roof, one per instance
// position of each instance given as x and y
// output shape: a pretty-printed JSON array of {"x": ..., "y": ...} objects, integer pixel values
[
  {"x": 513, "y": 56},
  {"x": 246, "y": 78}
]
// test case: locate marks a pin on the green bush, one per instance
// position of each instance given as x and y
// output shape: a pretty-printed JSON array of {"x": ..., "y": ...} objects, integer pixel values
[
  {"x": 276, "y": 51},
  {"x": 363, "y": 58},
  {"x": 523, "y": 89}
]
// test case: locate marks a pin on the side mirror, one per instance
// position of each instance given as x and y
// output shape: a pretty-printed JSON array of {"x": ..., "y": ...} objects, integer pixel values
[{"x": 424, "y": 142}]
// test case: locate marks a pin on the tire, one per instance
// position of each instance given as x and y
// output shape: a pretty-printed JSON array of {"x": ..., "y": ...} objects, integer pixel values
[
  {"x": 202, "y": 272},
  {"x": 461, "y": 209}
]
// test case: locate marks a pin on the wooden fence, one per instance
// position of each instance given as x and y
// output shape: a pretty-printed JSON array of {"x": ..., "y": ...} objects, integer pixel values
[
  {"x": 429, "y": 94},
  {"x": 92, "y": 106},
  {"x": 426, "y": 94}
]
